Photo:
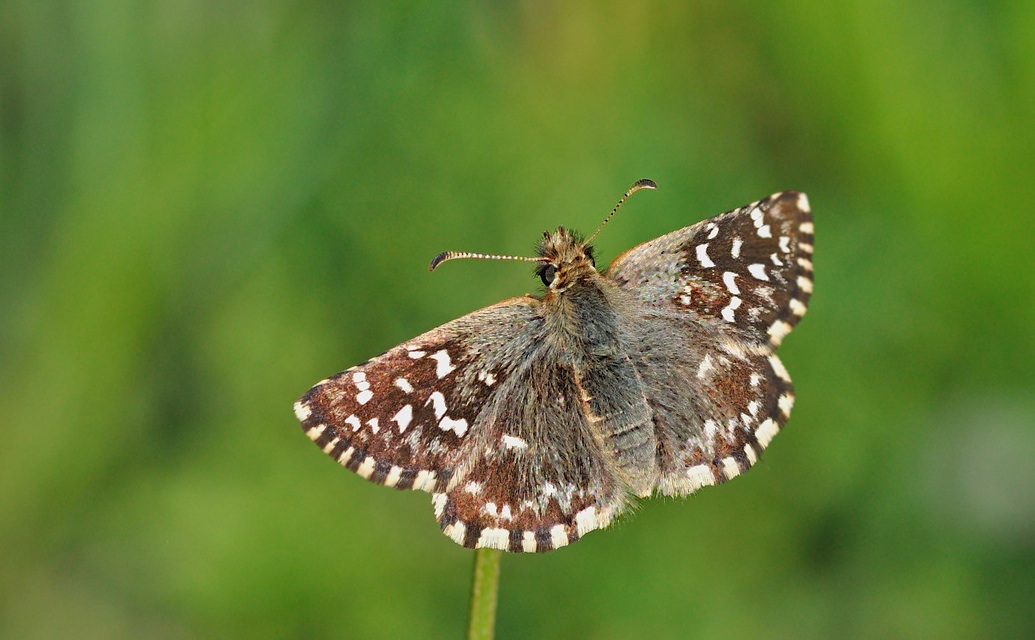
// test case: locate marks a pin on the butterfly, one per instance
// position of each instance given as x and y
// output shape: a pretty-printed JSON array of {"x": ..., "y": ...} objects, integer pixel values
[{"x": 541, "y": 418}]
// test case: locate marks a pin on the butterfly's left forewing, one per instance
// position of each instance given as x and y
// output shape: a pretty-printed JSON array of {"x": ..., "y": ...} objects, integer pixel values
[{"x": 483, "y": 413}]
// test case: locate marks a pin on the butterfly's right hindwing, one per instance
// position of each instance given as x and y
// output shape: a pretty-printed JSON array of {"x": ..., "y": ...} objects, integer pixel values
[
  {"x": 720, "y": 297},
  {"x": 715, "y": 405}
]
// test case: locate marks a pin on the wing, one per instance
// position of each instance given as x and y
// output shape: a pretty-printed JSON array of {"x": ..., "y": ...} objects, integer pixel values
[
  {"x": 750, "y": 268},
  {"x": 483, "y": 413},
  {"x": 721, "y": 295},
  {"x": 715, "y": 404}
]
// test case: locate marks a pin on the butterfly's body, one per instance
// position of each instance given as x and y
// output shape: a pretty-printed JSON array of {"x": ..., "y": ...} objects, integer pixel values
[{"x": 536, "y": 420}]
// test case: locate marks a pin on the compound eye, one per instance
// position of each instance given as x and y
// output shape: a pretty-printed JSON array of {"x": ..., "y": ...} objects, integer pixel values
[{"x": 547, "y": 274}]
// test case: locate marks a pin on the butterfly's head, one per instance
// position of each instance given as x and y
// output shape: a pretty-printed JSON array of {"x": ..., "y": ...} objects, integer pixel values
[{"x": 565, "y": 259}]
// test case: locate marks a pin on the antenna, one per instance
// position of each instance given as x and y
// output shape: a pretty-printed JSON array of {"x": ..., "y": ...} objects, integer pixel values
[
  {"x": 453, "y": 255},
  {"x": 639, "y": 184}
]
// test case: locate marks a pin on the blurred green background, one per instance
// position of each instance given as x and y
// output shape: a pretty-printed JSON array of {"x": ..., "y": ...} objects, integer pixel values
[{"x": 206, "y": 207}]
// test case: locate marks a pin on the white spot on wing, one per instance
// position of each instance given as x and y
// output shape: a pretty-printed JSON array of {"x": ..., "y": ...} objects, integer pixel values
[
  {"x": 302, "y": 412},
  {"x": 366, "y": 469},
  {"x": 443, "y": 364},
  {"x": 439, "y": 402},
  {"x": 364, "y": 396},
  {"x": 514, "y": 442},
  {"x": 317, "y": 431},
  {"x": 403, "y": 418},
  {"x": 730, "y": 468},
  {"x": 806, "y": 227},
  {"x": 758, "y": 271},
  {"x": 416, "y": 354},
  {"x": 700, "y": 476},
  {"x": 494, "y": 538},
  {"x": 392, "y": 478},
  {"x": 354, "y": 421},
  {"x": 360, "y": 380},
  {"x": 714, "y": 230},
  {"x": 702, "y": 255},
  {"x": 558, "y": 536},
  {"x": 730, "y": 280},
  {"x": 797, "y": 308},
  {"x": 749, "y": 452},
  {"x": 766, "y": 431},
  {"x": 727, "y": 311},
  {"x": 374, "y": 426},
  {"x": 586, "y": 520},
  {"x": 805, "y": 284},
  {"x": 456, "y": 532},
  {"x": 528, "y": 542},
  {"x": 457, "y": 426},
  {"x": 438, "y": 500},
  {"x": 778, "y": 331},
  {"x": 404, "y": 384},
  {"x": 327, "y": 448},
  {"x": 765, "y": 232},
  {"x": 706, "y": 367},
  {"x": 346, "y": 457},
  {"x": 425, "y": 481},
  {"x": 785, "y": 244},
  {"x": 737, "y": 244},
  {"x": 786, "y": 403},
  {"x": 779, "y": 369}
]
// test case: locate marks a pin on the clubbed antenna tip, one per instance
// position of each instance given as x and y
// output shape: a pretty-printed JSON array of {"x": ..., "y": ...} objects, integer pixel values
[
  {"x": 639, "y": 184},
  {"x": 439, "y": 259}
]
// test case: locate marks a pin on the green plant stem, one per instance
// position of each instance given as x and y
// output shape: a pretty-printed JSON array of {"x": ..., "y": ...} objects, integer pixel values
[{"x": 484, "y": 591}]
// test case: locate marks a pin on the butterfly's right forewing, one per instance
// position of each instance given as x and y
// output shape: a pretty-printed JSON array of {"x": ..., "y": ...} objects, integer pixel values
[{"x": 750, "y": 268}]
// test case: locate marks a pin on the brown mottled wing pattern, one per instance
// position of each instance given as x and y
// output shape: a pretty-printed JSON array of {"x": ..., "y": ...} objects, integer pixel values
[
  {"x": 750, "y": 268},
  {"x": 483, "y": 413},
  {"x": 717, "y": 298}
]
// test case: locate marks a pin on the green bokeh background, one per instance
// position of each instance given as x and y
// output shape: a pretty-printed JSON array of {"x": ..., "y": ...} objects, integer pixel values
[{"x": 205, "y": 207}]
